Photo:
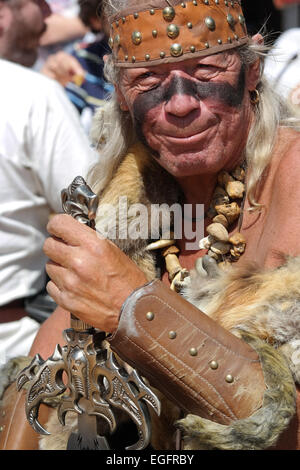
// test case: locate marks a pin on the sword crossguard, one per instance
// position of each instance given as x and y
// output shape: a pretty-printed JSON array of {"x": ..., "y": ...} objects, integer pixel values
[{"x": 97, "y": 383}]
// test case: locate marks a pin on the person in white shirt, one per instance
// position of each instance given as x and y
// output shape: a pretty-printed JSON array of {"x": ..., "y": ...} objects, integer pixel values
[
  {"x": 282, "y": 66},
  {"x": 42, "y": 148}
]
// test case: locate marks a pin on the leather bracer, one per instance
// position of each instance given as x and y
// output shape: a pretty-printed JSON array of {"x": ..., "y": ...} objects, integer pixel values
[{"x": 193, "y": 361}]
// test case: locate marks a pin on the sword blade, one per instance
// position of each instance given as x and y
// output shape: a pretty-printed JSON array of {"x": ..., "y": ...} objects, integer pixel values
[{"x": 87, "y": 438}]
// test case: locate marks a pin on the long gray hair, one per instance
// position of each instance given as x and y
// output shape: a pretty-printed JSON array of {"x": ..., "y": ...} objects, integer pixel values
[{"x": 113, "y": 131}]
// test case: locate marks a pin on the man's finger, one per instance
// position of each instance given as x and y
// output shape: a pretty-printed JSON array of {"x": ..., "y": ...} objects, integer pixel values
[
  {"x": 69, "y": 230},
  {"x": 53, "y": 291},
  {"x": 58, "y": 275},
  {"x": 63, "y": 299},
  {"x": 58, "y": 251},
  {"x": 55, "y": 294}
]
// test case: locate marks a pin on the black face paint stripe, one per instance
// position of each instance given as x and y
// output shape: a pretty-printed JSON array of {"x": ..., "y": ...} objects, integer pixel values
[
  {"x": 222, "y": 91},
  {"x": 180, "y": 86}
]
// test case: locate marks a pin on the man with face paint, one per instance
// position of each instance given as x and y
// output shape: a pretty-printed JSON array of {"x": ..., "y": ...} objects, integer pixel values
[{"x": 192, "y": 118}]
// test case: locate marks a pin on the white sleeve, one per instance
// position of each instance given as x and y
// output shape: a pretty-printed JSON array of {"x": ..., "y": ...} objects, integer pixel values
[
  {"x": 282, "y": 65},
  {"x": 60, "y": 150}
]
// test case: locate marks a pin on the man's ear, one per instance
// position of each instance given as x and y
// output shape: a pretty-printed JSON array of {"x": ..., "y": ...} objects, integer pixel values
[
  {"x": 96, "y": 23},
  {"x": 121, "y": 99},
  {"x": 254, "y": 69},
  {"x": 253, "y": 75},
  {"x": 258, "y": 39}
]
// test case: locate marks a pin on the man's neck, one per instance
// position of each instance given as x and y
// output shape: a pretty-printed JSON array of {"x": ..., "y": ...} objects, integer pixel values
[{"x": 198, "y": 189}]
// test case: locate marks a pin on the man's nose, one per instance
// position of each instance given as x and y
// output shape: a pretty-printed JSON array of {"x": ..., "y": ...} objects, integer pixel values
[
  {"x": 181, "y": 105},
  {"x": 45, "y": 8}
]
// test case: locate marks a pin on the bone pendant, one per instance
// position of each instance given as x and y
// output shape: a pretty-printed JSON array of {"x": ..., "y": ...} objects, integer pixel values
[
  {"x": 231, "y": 211},
  {"x": 218, "y": 231},
  {"x": 221, "y": 219},
  {"x": 235, "y": 189}
]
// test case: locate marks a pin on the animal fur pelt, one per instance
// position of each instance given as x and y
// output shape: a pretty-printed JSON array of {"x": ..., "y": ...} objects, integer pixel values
[
  {"x": 10, "y": 370},
  {"x": 260, "y": 306},
  {"x": 265, "y": 303},
  {"x": 259, "y": 431}
]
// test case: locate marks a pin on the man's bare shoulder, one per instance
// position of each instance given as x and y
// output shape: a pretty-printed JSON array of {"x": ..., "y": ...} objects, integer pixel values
[
  {"x": 287, "y": 157},
  {"x": 281, "y": 226}
]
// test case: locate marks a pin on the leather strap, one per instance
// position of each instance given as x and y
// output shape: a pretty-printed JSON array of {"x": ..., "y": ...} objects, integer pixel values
[{"x": 193, "y": 361}]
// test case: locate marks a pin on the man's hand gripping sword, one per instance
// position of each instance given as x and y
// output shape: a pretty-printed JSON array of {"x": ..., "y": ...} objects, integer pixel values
[{"x": 97, "y": 383}]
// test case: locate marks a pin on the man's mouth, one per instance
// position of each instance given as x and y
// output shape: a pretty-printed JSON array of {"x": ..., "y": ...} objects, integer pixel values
[
  {"x": 188, "y": 137},
  {"x": 189, "y": 131},
  {"x": 194, "y": 130}
]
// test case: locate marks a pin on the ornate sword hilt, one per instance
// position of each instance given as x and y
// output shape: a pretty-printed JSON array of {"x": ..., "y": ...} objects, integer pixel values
[
  {"x": 97, "y": 381},
  {"x": 79, "y": 201}
]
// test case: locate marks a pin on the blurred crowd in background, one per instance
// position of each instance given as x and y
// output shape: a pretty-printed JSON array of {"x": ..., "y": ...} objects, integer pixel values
[
  {"x": 52, "y": 82},
  {"x": 71, "y": 52}
]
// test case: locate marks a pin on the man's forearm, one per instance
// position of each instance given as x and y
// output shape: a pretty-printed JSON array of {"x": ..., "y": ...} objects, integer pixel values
[
  {"x": 61, "y": 29},
  {"x": 188, "y": 356}
]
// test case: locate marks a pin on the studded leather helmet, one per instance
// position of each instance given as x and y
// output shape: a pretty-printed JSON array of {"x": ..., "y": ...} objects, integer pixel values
[{"x": 160, "y": 31}]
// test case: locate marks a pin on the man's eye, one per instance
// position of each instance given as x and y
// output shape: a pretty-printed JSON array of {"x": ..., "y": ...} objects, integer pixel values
[
  {"x": 206, "y": 71},
  {"x": 147, "y": 80},
  {"x": 145, "y": 75},
  {"x": 206, "y": 67}
]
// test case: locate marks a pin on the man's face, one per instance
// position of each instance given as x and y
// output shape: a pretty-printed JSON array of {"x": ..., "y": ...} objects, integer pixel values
[
  {"x": 22, "y": 24},
  {"x": 194, "y": 114}
]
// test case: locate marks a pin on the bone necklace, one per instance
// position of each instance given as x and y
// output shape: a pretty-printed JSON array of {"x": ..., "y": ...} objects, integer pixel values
[{"x": 226, "y": 207}]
